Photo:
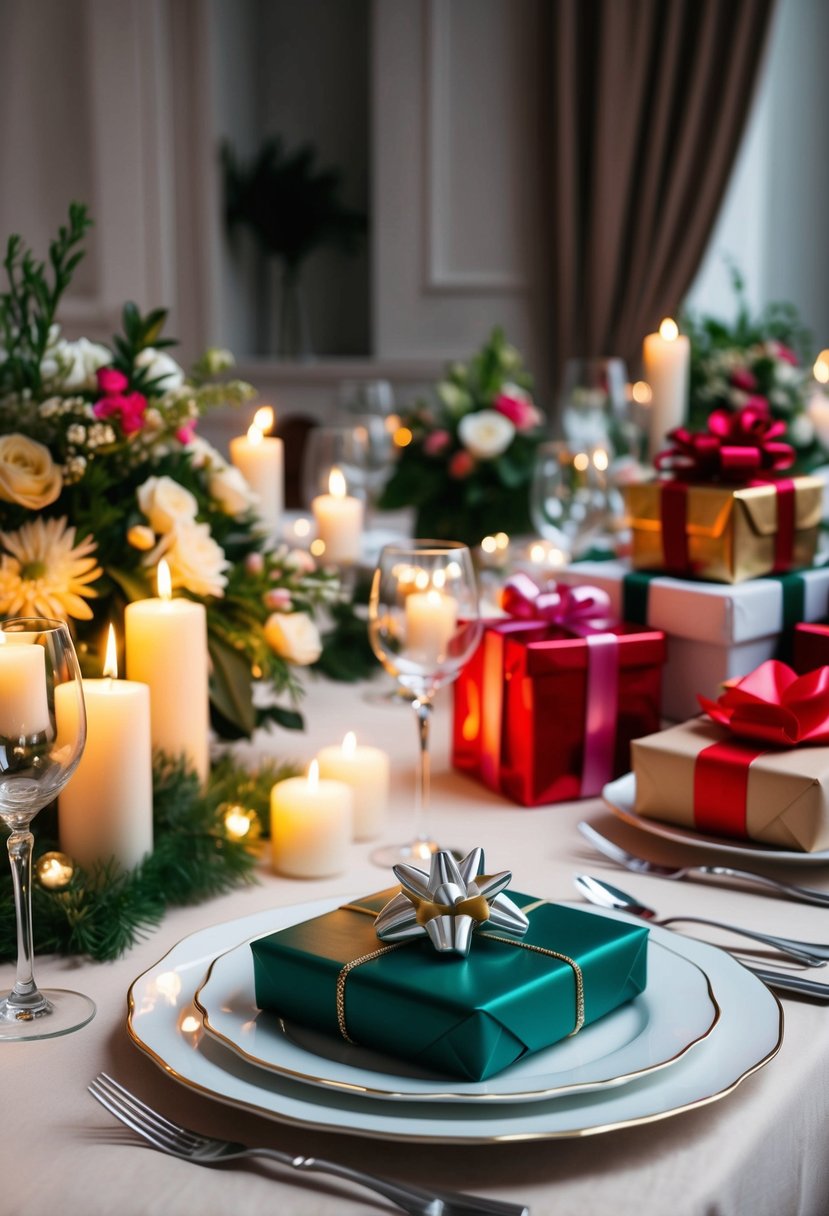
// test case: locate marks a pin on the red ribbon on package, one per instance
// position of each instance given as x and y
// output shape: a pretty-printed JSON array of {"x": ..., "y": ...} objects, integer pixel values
[
  {"x": 741, "y": 448},
  {"x": 770, "y": 707},
  {"x": 586, "y": 612},
  {"x": 737, "y": 447}
]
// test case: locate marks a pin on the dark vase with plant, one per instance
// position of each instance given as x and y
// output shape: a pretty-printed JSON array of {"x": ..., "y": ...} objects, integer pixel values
[{"x": 292, "y": 208}]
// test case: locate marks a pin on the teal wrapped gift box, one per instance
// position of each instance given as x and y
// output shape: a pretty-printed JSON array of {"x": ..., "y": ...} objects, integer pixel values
[{"x": 466, "y": 1017}]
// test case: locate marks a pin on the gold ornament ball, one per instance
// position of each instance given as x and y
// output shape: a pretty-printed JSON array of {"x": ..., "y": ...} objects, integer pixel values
[{"x": 55, "y": 871}]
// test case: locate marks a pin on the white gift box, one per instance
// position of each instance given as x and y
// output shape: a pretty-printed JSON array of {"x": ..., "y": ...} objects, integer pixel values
[{"x": 714, "y": 631}]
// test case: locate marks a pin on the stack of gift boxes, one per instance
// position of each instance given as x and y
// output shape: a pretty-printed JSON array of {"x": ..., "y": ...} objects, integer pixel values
[{"x": 720, "y": 582}]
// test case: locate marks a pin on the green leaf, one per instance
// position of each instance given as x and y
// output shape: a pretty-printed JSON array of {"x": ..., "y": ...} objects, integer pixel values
[
  {"x": 133, "y": 586},
  {"x": 230, "y": 686}
]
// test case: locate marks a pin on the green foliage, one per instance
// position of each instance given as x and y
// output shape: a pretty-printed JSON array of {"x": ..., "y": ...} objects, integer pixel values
[
  {"x": 346, "y": 654},
  {"x": 105, "y": 911},
  {"x": 290, "y": 206},
  {"x": 29, "y": 304}
]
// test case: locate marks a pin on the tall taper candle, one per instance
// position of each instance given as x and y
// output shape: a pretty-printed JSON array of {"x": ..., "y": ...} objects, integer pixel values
[
  {"x": 167, "y": 649},
  {"x": 666, "y": 358}
]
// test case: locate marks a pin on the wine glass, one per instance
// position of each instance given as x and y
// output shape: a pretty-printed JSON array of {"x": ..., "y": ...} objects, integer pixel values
[
  {"x": 423, "y": 626},
  {"x": 42, "y": 737},
  {"x": 369, "y": 406},
  {"x": 572, "y": 502},
  {"x": 594, "y": 402},
  {"x": 329, "y": 447}
]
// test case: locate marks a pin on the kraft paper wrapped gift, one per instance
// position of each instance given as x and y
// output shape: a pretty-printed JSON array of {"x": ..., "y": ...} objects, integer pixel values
[
  {"x": 786, "y": 794},
  {"x": 466, "y": 1017},
  {"x": 724, "y": 533},
  {"x": 714, "y": 632}
]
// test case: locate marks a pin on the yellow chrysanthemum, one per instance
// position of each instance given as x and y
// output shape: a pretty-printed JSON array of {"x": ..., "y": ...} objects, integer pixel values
[{"x": 44, "y": 573}]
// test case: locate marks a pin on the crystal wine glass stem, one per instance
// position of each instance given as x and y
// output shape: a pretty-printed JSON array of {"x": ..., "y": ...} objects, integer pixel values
[
  {"x": 423, "y": 710},
  {"x": 25, "y": 993}
]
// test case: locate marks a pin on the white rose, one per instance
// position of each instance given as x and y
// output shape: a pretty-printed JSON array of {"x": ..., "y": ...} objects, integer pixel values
[
  {"x": 228, "y": 488},
  {"x": 203, "y": 455},
  {"x": 160, "y": 367},
  {"x": 197, "y": 563},
  {"x": 28, "y": 475},
  {"x": 293, "y": 636},
  {"x": 486, "y": 434},
  {"x": 166, "y": 503},
  {"x": 72, "y": 365}
]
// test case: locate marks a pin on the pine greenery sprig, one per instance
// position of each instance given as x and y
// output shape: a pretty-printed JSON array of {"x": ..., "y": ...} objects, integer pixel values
[{"x": 104, "y": 911}]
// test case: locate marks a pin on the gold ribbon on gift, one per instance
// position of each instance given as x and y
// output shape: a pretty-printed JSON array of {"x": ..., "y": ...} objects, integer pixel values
[{"x": 347, "y": 968}]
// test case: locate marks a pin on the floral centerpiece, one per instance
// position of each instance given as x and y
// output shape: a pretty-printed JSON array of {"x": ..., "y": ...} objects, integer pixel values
[
  {"x": 757, "y": 361},
  {"x": 102, "y": 473},
  {"x": 468, "y": 466}
]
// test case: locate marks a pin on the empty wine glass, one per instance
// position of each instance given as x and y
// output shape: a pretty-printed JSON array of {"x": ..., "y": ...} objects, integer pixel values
[
  {"x": 369, "y": 406},
  {"x": 329, "y": 447},
  {"x": 572, "y": 503},
  {"x": 423, "y": 627},
  {"x": 42, "y": 737},
  {"x": 594, "y": 403}
]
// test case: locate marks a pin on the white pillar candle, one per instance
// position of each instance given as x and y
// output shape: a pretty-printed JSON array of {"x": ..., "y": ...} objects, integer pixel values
[
  {"x": 106, "y": 809},
  {"x": 339, "y": 519},
  {"x": 311, "y": 826},
  {"x": 366, "y": 771},
  {"x": 431, "y": 618},
  {"x": 666, "y": 357},
  {"x": 24, "y": 708},
  {"x": 167, "y": 649},
  {"x": 260, "y": 459}
]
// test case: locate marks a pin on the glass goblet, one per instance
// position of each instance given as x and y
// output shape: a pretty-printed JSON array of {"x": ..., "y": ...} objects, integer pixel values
[
  {"x": 423, "y": 627},
  {"x": 572, "y": 503},
  {"x": 593, "y": 402},
  {"x": 330, "y": 447},
  {"x": 42, "y": 737}
]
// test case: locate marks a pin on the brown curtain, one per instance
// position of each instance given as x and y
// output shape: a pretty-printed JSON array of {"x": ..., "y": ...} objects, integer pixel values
[{"x": 649, "y": 101}]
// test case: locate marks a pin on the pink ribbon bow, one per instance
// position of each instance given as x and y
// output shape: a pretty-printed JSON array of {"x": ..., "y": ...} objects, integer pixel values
[{"x": 736, "y": 448}]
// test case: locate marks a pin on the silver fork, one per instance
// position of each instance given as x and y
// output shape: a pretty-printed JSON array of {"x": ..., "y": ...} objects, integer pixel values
[
  {"x": 639, "y": 865},
  {"x": 178, "y": 1141}
]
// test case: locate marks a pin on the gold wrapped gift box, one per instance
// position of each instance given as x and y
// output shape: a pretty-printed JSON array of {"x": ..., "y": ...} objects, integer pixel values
[
  {"x": 731, "y": 532},
  {"x": 787, "y": 802}
]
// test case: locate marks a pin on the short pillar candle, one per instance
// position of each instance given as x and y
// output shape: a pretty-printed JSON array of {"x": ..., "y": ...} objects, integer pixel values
[
  {"x": 312, "y": 825},
  {"x": 366, "y": 771}
]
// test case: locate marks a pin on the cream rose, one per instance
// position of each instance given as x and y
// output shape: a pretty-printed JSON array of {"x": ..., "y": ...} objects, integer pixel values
[
  {"x": 197, "y": 563},
  {"x": 293, "y": 636},
  {"x": 28, "y": 475},
  {"x": 228, "y": 488},
  {"x": 159, "y": 366},
  {"x": 486, "y": 434},
  {"x": 166, "y": 504}
]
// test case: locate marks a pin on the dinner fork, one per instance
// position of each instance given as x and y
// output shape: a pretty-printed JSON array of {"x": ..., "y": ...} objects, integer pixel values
[
  {"x": 179, "y": 1141},
  {"x": 806, "y": 895}
]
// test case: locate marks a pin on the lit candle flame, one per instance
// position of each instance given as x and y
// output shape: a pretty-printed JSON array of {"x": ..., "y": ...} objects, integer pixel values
[
  {"x": 111, "y": 658},
  {"x": 254, "y": 434},
  {"x": 165, "y": 582},
  {"x": 336, "y": 483},
  {"x": 349, "y": 743},
  {"x": 314, "y": 774},
  {"x": 669, "y": 330},
  {"x": 263, "y": 420}
]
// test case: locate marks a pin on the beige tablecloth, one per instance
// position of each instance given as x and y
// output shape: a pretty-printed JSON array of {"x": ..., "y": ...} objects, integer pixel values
[{"x": 762, "y": 1150}]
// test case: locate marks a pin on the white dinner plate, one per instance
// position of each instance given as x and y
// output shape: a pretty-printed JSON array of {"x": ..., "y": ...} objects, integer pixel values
[
  {"x": 163, "y": 1021},
  {"x": 620, "y": 796},
  {"x": 676, "y": 1011}
]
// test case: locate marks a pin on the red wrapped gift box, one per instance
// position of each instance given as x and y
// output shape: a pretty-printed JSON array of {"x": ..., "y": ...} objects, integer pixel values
[
  {"x": 810, "y": 648},
  {"x": 541, "y": 717}
]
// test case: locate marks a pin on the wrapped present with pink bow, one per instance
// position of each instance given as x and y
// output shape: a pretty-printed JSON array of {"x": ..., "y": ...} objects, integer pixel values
[
  {"x": 724, "y": 508},
  {"x": 546, "y": 708},
  {"x": 756, "y": 767}
]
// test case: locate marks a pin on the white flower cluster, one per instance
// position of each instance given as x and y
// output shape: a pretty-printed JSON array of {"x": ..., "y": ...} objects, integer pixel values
[{"x": 197, "y": 563}]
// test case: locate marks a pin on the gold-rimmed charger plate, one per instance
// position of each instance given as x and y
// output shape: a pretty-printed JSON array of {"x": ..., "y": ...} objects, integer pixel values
[
  {"x": 674, "y": 1013},
  {"x": 163, "y": 1022}
]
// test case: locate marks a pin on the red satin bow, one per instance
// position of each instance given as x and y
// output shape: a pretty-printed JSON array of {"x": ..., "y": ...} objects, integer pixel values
[
  {"x": 560, "y": 605},
  {"x": 737, "y": 447},
  {"x": 775, "y": 705}
]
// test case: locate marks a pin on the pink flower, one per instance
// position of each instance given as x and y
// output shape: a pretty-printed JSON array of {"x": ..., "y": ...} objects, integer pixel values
[
  {"x": 129, "y": 408},
  {"x": 185, "y": 433},
  {"x": 757, "y": 403},
  {"x": 461, "y": 465},
  {"x": 514, "y": 404},
  {"x": 744, "y": 379},
  {"x": 785, "y": 353},
  {"x": 111, "y": 382},
  {"x": 254, "y": 563},
  {"x": 436, "y": 442},
  {"x": 277, "y": 597}
]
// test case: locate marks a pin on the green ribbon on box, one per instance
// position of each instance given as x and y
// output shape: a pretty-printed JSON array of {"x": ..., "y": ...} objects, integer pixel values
[{"x": 469, "y": 1017}]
